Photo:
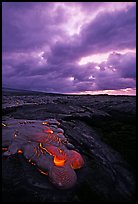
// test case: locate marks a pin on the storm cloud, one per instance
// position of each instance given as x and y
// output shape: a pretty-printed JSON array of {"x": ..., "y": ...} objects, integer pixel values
[{"x": 44, "y": 43}]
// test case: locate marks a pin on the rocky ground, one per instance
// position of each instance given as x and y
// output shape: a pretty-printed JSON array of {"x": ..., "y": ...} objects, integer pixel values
[{"x": 102, "y": 128}]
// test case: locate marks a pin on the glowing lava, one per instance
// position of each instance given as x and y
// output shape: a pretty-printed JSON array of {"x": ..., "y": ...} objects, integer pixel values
[
  {"x": 4, "y": 148},
  {"x": 46, "y": 148},
  {"x": 20, "y": 151},
  {"x": 45, "y": 123},
  {"x": 59, "y": 162},
  {"x": 48, "y": 130},
  {"x": 56, "y": 153},
  {"x": 4, "y": 125},
  {"x": 43, "y": 172},
  {"x": 76, "y": 160}
]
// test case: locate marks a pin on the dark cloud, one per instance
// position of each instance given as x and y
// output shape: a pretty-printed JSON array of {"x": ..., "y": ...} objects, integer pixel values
[
  {"x": 30, "y": 27},
  {"x": 125, "y": 64},
  {"x": 40, "y": 54},
  {"x": 107, "y": 32},
  {"x": 116, "y": 30},
  {"x": 116, "y": 73}
]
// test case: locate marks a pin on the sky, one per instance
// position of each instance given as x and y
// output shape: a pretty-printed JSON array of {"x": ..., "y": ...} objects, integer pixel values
[{"x": 69, "y": 47}]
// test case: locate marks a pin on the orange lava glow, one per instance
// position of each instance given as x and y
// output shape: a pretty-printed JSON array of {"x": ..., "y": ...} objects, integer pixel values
[
  {"x": 40, "y": 145},
  {"x": 4, "y": 148},
  {"x": 76, "y": 165},
  {"x": 48, "y": 131},
  {"x": 59, "y": 162},
  {"x": 4, "y": 125},
  {"x": 45, "y": 123},
  {"x": 43, "y": 172},
  {"x": 32, "y": 162},
  {"x": 76, "y": 160},
  {"x": 59, "y": 158},
  {"x": 19, "y": 151}
]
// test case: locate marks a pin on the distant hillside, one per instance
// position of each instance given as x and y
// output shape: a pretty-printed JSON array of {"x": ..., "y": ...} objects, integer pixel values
[{"x": 10, "y": 91}]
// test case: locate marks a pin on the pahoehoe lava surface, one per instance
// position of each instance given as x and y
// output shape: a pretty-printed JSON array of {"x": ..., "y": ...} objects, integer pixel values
[
  {"x": 43, "y": 144},
  {"x": 102, "y": 128}
]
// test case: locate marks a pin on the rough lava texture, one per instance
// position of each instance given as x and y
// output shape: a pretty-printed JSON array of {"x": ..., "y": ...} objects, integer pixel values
[
  {"x": 44, "y": 144},
  {"x": 101, "y": 128}
]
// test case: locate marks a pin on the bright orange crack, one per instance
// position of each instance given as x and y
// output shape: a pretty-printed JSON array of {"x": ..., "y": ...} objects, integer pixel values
[
  {"x": 43, "y": 172},
  {"x": 59, "y": 160},
  {"x": 48, "y": 130},
  {"x": 45, "y": 123},
  {"x": 19, "y": 151},
  {"x": 4, "y": 148},
  {"x": 4, "y": 125},
  {"x": 76, "y": 160},
  {"x": 40, "y": 145}
]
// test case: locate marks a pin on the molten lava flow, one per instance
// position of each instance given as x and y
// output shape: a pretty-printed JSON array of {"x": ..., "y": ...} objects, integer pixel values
[
  {"x": 43, "y": 172},
  {"x": 59, "y": 158},
  {"x": 60, "y": 150},
  {"x": 4, "y": 125},
  {"x": 19, "y": 151},
  {"x": 45, "y": 123},
  {"x": 4, "y": 148},
  {"x": 48, "y": 130},
  {"x": 40, "y": 145},
  {"x": 76, "y": 160},
  {"x": 30, "y": 161},
  {"x": 59, "y": 162}
]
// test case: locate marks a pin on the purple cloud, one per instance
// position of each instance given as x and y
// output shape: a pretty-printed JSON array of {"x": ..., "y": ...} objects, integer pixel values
[
  {"x": 105, "y": 33},
  {"x": 125, "y": 64},
  {"x": 30, "y": 27},
  {"x": 43, "y": 42}
]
